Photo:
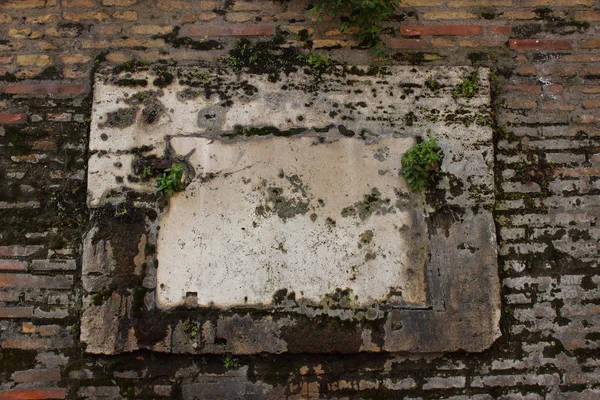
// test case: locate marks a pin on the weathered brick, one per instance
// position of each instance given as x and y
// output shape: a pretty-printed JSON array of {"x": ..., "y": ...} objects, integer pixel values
[
  {"x": 75, "y": 59},
  {"x": 439, "y": 30},
  {"x": 5, "y": 19},
  {"x": 478, "y": 3},
  {"x": 396, "y": 43},
  {"x": 332, "y": 43},
  {"x": 12, "y": 118},
  {"x": 448, "y": 15},
  {"x": 521, "y": 103},
  {"x": 421, "y": 3},
  {"x": 34, "y": 394},
  {"x": 106, "y": 44},
  {"x": 523, "y": 88},
  {"x": 586, "y": 118},
  {"x": 13, "y": 265},
  {"x": 499, "y": 30},
  {"x": 557, "y": 3},
  {"x": 151, "y": 29},
  {"x": 230, "y": 30},
  {"x": 19, "y": 251},
  {"x": 80, "y": 3},
  {"x": 29, "y": 158},
  {"x": 444, "y": 383},
  {"x": 173, "y": 5},
  {"x": 35, "y": 281},
  {"x": 118, "y": 3},
  {"x": 591, "y": 103},
  {"x": 42, "y": 19},
  {"x": 589, "y": 43},
  {"x": 592, "y": 16},
  {"x": 53, "y": 265},
  {"x": 45, "y": 88},
  {"x": 26, "y": 344},
  {"x": 126, "y": 15},
  {"x": 16, "y": 312},
  {"x": 240, "y": 17},
  {"x": 526, "y": 70},
  {"x": 590, "y": 73},
  {"x": 49, "y": 330},
  {"x": 37, "y": 375},
  {"x": 540, "y": 44},
  {"x": 40, "y": 60},
  {"x": 582, "y": 58},
  {"x": 577, "y": 172},
  {"x": 86, "y": 16},
  {"x": 28, "y": 4}
]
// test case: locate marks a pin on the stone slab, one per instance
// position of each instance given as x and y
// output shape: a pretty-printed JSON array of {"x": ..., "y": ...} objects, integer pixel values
[
  {"x": 254, "y": 255},
  {"x": 293, "y": 214}
]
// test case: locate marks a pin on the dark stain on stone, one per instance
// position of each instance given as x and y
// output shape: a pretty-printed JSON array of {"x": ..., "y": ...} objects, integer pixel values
[
  {"x": 322, "y": 334},
  {"x": 121, "y": 118}
]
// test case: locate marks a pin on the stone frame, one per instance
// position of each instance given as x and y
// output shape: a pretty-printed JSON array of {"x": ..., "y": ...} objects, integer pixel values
[{"x": 119, "y": 266}]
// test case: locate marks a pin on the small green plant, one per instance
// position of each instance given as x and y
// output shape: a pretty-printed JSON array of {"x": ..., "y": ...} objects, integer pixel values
[
  {"x": 467, "y": 87},
  {"x": 190, "y": 328},
  {"x": 493, "y": 76},
  {"x": 147, "y": 172},
  {"x": 315, "y": 60},
  {"x": 421, "y": 163},
  {"x": 366, "y": 15},
  {"x": 230, "y": 362},
  {"x": 318, "y": 61},
  {"x": 432, "y": 84},
  {"x": 172, "y": 180},
  {"x": 139, "y": 96}
]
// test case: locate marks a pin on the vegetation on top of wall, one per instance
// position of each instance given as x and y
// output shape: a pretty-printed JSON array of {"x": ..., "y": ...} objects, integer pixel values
[{"x": 366, "y": 15}]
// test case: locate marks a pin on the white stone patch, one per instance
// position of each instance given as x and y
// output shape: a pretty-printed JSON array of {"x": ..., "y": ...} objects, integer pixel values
[{"x": 270, "y": 218}]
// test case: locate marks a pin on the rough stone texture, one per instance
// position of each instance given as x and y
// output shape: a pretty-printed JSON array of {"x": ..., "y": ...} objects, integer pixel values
[
  {"x": 319, "y": 223},
  {"x": 548, "y": 240}
]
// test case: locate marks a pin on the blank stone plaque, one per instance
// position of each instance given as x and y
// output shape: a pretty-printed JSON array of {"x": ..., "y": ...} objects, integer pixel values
[{"x": 295, "y": 231}]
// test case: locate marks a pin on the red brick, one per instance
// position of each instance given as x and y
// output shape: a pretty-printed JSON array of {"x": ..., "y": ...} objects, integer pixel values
[
  {"x": 80, "y": 3},
  {"x": 499, "y": 30},
  {"x": 591, "y": 103},
  {"x": 34, "y": 281},
  {"x": 18, "y": 251},
  {"x": 540, "y": 44},
  {"x": 590, "y": 73},
  {"x": 37, "y": 375},
  {"x": 523, "y": 88},
  {"x": 13, "y": 265},
  {"x": 34, "y": 394},
  {"x": 231, "y": 30},
  {"x": 16, "y": 312},
  {"x": 456, "y": 30},
  {"x": 408, "y": 44},
  {"x": 26, "y": 344},
  {"x": 12, "y": 118},
  {"x": 553, "y": 89},
  {"x": 521, "y": 103},
  {"x": 45, "y": 88},
  {"x": 525, "y": 70},
  {"x": 577, "y": 172}
]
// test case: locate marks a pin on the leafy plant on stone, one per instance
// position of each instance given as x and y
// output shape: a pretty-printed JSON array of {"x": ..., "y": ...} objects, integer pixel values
[
  {"x": 171, "y": 181},
  {"x": 230, "y": 362},
  {"x": 366, "y": 15},
  {"x": 421, "y": 163},
  {"x": 467, "y": 87}
]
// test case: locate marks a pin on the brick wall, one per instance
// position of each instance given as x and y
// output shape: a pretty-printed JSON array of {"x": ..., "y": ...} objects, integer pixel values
[{"x": 547, "y": 142}]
